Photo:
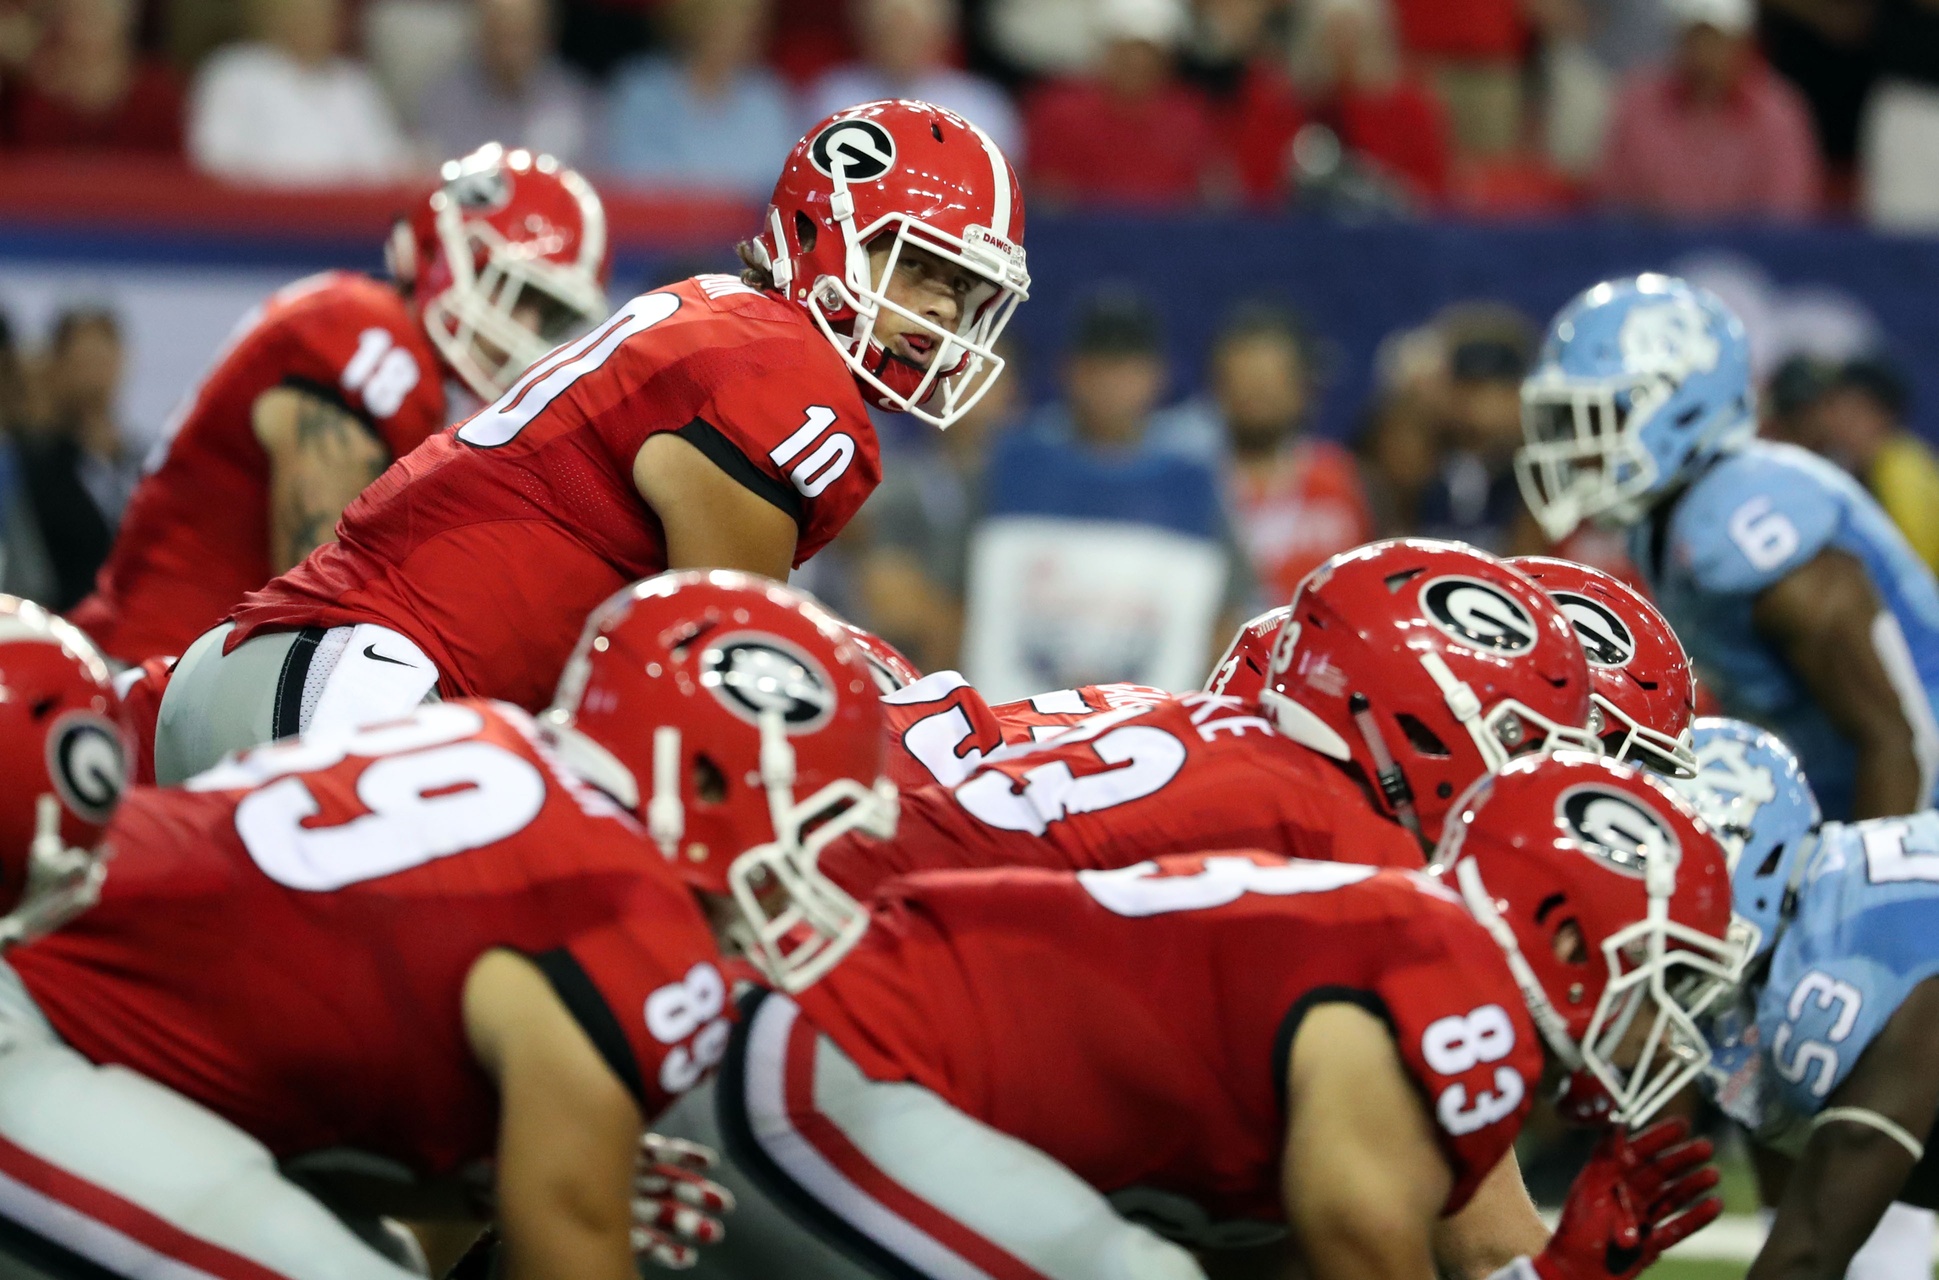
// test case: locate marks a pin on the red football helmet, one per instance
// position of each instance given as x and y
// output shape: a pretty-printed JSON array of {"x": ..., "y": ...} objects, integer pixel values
[
  {"x": 505, "y": 232},
  {"x": 1426, "y": 665},
  {"x": 1612, "y": 903},
  {"x": 63, "y": 764},
  {"x": 1643, "y": 693},
  {"x": 735, "y": 717},
  {"x": 890, "y": 667},
  {"x": 1241, "y": 673},
  {"x": 895, "y": 174}
]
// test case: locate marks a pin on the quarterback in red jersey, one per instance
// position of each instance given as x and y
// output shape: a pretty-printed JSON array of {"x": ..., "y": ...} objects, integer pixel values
[
  {"x": 1464, "y": 666},
  {"x": 1016, "y": 1064},
  {"x": 457, "y": 938},
  {"x": 334, "y": 378},
  {"x": 718, "y": 422}
]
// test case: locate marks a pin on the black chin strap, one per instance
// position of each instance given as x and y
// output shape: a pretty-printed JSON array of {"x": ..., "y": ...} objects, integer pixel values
[{"x": 1393, "y": 783}]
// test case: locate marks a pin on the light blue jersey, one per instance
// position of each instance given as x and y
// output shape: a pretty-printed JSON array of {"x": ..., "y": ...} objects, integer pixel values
[
  {"x": 1865, "y": 933},
  {"x": 1750, "y": 519}
]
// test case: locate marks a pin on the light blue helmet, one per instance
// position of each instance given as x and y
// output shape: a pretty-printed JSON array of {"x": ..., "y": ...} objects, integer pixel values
[
  {"x": 1640, "y": 381},
  {"x": 1753, "y": 795}
]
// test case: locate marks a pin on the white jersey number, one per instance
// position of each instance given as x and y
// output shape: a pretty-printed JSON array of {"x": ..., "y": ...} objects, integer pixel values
[
  {"x": 1140, "y": 890},
  {"x": 429, "y": 794},
  {"x": 1460, "y": 1043},
  {"x": 1148, "y": 758}
]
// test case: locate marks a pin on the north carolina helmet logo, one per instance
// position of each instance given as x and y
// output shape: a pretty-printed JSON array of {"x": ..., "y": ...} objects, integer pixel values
[
  {"x": 862, "y": 148},
  {"x": 88, "y": 764},
  {"x": 1606, "y": 639},
  {"x": 1615, "y": 828},
  {"x": 1668, "y": 338},
  {"x": 753, "y": 675},
  {"x": 1479, "y": 615}
]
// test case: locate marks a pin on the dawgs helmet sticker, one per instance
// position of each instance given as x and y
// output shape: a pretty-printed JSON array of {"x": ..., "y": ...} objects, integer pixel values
[
  {"x": 1479, "y": 615},
  {"x": 1616, "y": 828},
  {"x": 862, "y": 148},
  {"x": 88, "y": 764},
  {"x": 1606, "y": 640},
  {"x": 755, "y": 674}
]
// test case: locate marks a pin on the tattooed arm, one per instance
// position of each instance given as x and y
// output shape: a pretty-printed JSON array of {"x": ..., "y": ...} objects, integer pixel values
[{"x": 320, "y": 457}]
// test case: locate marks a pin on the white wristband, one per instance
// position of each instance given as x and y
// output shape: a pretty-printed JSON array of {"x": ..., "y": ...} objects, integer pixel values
[{"x": 1872, "y": 1120}]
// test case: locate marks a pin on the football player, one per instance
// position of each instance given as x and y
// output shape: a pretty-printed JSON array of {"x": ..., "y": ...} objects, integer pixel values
[
  {"x": 720, "y": 422},
  {"x": 1018, "y": 1067},
  {"x": 336, "y": 377},
  {"x": 1645, "y": 694},
  {"x": 1833, "y": 1056},
  {"x": 442, "y": 966},
  {"x": 1801, "y": 603},
  {"x": 1407, "y": 670}
]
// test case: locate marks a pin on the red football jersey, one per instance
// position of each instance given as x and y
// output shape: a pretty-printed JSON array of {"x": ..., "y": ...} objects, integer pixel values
[
  {"x": 490, "y": 545},
  {"x": 1135, "y": 1024},
  {"x": 940, "y": 728},
  {"x": 195, "y": 538},
  {"x": 1187, "y": 774},
  {"x": 287, "y": 943}
]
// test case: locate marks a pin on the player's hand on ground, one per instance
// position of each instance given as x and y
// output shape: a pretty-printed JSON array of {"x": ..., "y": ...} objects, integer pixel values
[
  {"x": 1637, "y": 1196},
  {"x": 676, "y": 1208}
]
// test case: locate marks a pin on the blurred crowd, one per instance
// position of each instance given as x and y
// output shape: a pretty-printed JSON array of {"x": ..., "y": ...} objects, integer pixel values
[{"x": 1665, "y": 108}]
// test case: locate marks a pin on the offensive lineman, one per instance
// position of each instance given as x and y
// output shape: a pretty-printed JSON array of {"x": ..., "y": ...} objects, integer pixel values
[
  {"x": 336, "y": 377},
  {"x": 717, "y": 422},
  {"x": 1230, "y": 1043},
  {"x": 256, "y": 980}
]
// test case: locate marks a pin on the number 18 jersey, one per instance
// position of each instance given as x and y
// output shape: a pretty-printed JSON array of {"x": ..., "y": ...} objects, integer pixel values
[
  {"x": 1135, "y": 1024},
  {"x": 490, "y": 545},
  {"x": 286, "y": 940}
]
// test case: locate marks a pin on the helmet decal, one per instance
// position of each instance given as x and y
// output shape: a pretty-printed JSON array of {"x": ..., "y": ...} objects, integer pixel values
[
  {"x": 1670, "y": 339},
  {"x": 1615, "y": 828},
  {"x": 1479, "y": 615},
  {"x": 756, "y": 674},
  {"x": 1606, "y": 639},
  {"x": 862, "y": 148},
  {"x": 88, "y": 764}
]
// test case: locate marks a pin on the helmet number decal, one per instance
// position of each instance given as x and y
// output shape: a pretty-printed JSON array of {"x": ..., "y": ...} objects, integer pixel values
[
  {"x": 381, "y": 372},
  {"x": 861, "y": 149},
  {"x": 1459, "y": 1043},
  {"x": 1479, "y": 615},
  {"x": 822, "y": 466},
  {"x": 755, "y": 674},
  {"x": 1606, "y": 639},
  {"x": 1614, "y": 828},
  {"x": 88, "y": 764}
]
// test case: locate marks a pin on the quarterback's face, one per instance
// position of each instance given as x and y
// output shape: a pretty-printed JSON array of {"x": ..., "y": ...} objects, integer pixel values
[{"x": 931, "y": 287}]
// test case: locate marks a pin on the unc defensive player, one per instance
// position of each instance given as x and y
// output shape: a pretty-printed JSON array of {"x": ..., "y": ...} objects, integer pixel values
[
  {"x": 1800, "y": 602},
  {"x": 1833, "y": 1054}
]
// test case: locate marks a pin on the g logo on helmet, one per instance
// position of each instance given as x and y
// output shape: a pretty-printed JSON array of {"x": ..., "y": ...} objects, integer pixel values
[
  {"x": 1479, "y": 615},
  {"x": 756, "y": 674},
  {"x": 1606, "y": 640},
  {"x": 88, "y": 764},
  {"x": 862, "y": 148},
  {"x": 1615, "y": 828},
  {"x": 481, "y": 190}
]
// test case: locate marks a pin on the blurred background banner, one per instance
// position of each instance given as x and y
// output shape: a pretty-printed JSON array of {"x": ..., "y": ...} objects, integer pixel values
[{"x": 182, "y": 269}]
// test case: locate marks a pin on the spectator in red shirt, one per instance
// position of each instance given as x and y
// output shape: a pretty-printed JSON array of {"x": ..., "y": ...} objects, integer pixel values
[
  {"x": 1296, "y": 500},
  {"x": 87, "y": 89},
  {"x": 1354, "y": 82},
  {"x": 1131, "y": 133},
  {"x": 1712, "y": 133}
]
